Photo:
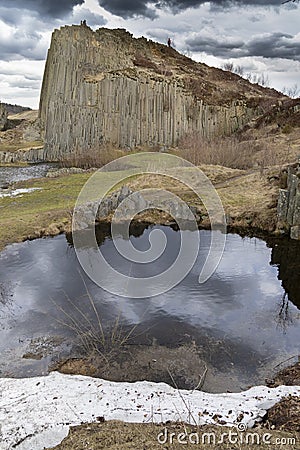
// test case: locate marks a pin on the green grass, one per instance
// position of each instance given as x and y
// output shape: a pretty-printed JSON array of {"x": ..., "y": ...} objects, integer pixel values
[
  {"x": 24, "y": 215},
  {"x": 27, "y": 215}
]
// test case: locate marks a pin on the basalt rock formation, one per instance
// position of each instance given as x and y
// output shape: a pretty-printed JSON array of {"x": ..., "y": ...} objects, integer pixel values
[
  {"x": 105, "y": 86},
  {"x": 289, "y": 203},
  {"x": 3, "y": 116}
]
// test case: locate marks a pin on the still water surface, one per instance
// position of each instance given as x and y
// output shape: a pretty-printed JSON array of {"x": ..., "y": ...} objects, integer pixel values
[{"x": 245, "y": 317}]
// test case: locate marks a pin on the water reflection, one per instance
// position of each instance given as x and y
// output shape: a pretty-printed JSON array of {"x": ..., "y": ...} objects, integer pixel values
[
  {"x": 286, "y": 256},
  {"x": 241, "y": 318}
]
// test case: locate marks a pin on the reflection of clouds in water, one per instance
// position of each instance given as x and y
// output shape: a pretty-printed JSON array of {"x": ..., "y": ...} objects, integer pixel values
[
  {"x": 238, "y": 296},
  {"x": 244, "y": 256},
  {"x": 269, "y": 289},
  {"x": 240, "y": 300},
  {"x": 40, "y": 269}
]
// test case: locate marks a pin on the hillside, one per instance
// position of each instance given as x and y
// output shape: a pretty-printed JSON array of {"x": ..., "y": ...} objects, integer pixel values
[{"x": 15, "y": 109}]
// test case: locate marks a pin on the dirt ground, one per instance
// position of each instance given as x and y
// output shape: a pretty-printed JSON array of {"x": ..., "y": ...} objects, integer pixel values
[
  {"x": 120, "y": 436},
  {"x": 285, "y": 415},
  {"x": 289, "y": 376}
]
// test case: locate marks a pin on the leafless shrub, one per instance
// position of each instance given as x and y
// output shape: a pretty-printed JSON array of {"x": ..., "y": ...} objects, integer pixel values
[
  {"x": 262, "y": 79},
  {"x": 92, "y": 337},
  {"x": 219, "y": 151},
  {"x": 229, "y": 66},
  {"x": 227, "y": 151},
  {"x": 292, "y": 91},
  {"x": 267, "y": 157},
  {"x": 91, "y": 157}
]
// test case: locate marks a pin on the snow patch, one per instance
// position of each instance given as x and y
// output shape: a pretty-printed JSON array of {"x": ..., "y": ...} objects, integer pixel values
[
  {"x": 18, "y": 192},
  {"x": 37, "y": 412}
]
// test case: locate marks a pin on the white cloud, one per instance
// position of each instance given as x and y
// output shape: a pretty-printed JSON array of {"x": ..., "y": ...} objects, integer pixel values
[{"x": 20, "y": 82}]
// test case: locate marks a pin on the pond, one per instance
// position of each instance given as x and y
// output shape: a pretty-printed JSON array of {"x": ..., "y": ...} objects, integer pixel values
[{"x": 244, "y": 321}]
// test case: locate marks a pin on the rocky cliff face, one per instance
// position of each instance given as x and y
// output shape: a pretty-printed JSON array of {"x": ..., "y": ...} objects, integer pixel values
[
  {"x": 289, "y": 203},
  {"x": 106, "y": 86},
  {"x": 26, "y": 155},
  {"x": 3, "y": 116}
]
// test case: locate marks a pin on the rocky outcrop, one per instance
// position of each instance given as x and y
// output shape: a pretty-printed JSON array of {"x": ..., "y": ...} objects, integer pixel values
[
  {"x": 289, "y": 203},
  {"x": 91, "y": 212},
  {"x": 3, "y": 116},
  {"x": 28, "y": 155},
  {"x": 106, "y": 86}
]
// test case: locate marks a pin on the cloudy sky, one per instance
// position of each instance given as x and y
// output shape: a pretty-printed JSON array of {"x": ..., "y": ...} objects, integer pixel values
[{"x": 262, "y": 36}]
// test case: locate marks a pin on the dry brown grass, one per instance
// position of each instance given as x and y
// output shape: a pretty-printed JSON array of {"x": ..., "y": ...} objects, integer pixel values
[
  {"x": 115, "y": 435},
  {"x": 88, "y": 328},
  {"x": 141, "y": 61},
  {"x": 285, "y": 415},
  {"x": 92, "y": 157},
  {"x": 225, "y": 152},
  {"x": 228, "y": 151}
]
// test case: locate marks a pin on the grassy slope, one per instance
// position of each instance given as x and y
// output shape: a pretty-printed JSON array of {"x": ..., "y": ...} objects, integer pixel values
[
  {"x": 23, "y": 216},
  {"x": 246, "y": 196}
]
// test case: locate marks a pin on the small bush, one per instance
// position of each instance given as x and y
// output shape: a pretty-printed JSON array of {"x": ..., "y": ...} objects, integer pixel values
[
  {"x": 217, "y": 151},
  {"x": 287, "y": 129},
  {"x": 227, "y": 151},
  {"x": 93, "y": 157},
  {"x": 85, "y": 322},
  {"x": 142, "y": 61}
]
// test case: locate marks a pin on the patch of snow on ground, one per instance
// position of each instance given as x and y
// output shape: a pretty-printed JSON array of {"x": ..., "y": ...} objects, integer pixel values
[
  {"x": 18, "y": 192},
  {"x": 37, "y": 412}
]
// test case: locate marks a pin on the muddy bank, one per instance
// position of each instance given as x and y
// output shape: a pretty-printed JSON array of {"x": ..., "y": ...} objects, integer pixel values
[
  {"x": 181, "y": 367},
  {"x": 289, "y": 376}
]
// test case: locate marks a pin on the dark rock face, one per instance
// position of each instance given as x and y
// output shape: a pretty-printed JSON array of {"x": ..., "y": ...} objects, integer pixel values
[
  {"x": 289, "y": 203},
  {"x": 3, "y": 117},
  {"x": 286, "y": 256}
]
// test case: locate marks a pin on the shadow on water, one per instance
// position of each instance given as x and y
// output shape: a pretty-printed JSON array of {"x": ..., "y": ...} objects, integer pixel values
[
  {"x": 286, "y": 256},
  {"x": 241, "y": 323}
]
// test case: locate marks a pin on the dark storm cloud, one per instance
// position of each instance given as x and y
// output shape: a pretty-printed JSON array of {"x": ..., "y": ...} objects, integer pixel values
[
  {"x": 45, "y": 8},
  {"x": 211, "y": 46},
  {"x": 274, "y": 45},
  {"x": 130, "y": 8}
]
